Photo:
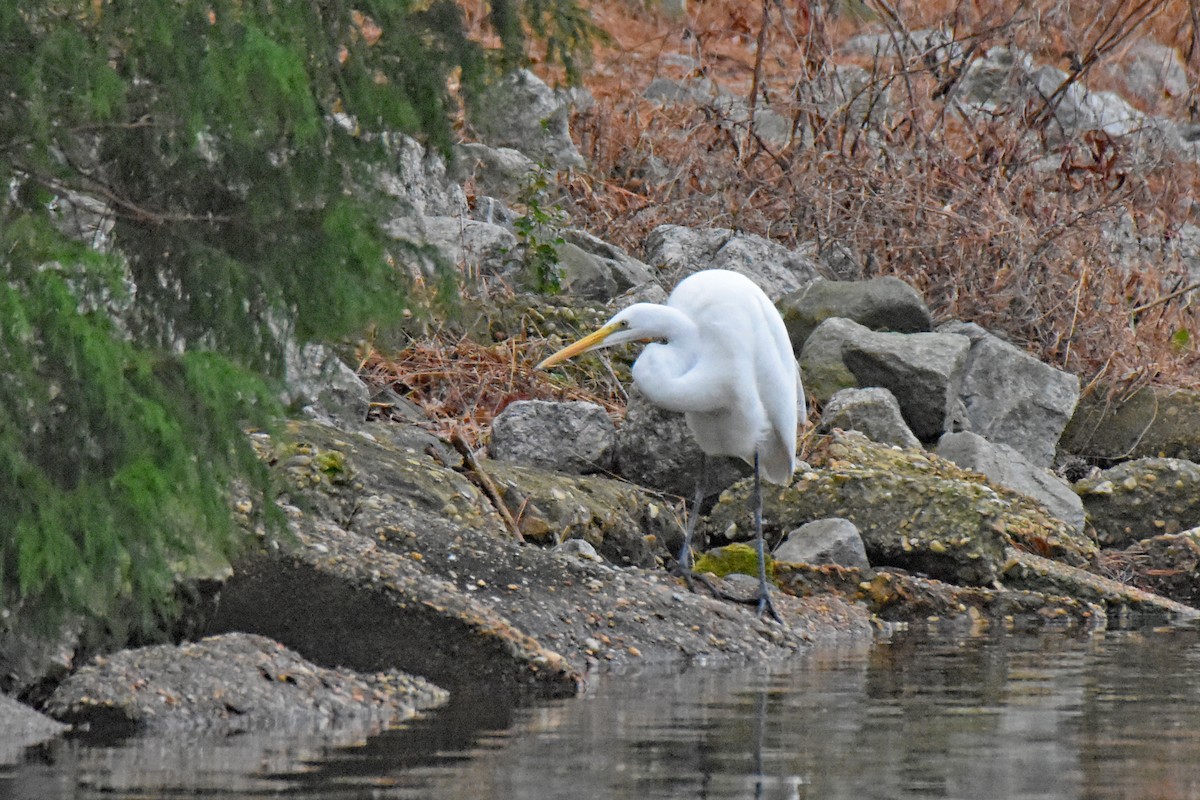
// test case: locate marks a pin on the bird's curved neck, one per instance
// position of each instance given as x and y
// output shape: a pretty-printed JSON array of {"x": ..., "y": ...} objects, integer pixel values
[{"x": 667, "y": 374}]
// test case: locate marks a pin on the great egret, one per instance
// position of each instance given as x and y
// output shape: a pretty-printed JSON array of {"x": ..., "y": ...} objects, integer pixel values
[{"x": 724, "y": 359}]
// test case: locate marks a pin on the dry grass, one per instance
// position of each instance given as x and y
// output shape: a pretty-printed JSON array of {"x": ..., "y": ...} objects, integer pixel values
[
  {"x": 461, "y": 385},
  {"x": 992, "y": 218},
  {"x": 995, "y": 219}
]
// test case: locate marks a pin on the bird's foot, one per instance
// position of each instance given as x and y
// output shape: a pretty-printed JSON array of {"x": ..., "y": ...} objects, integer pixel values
[{"x": 766, "y": 608}]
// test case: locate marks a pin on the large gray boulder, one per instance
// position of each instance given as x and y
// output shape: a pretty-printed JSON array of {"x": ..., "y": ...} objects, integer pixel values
[
  {"x": 919, "y": 369},
  {"x": 499, "y": 172},
  {"x": 574, "y": 437},
  {"x": 1142, "y": 498},
  {"x": 872, "y": 411},
  {"x": 590, "y": 268},
  {"x": 1007, "y": 467},
  {"x": 882, "y": 304},
  {"x": 522, "y": 112},
  {"x": 1011, "y": 398},
  {"x": 772, "y": 266},
  {"x": 1152, "y": 72}
]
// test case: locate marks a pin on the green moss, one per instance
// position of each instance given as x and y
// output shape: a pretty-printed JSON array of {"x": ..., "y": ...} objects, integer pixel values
[{"x": 743, "y": 558}]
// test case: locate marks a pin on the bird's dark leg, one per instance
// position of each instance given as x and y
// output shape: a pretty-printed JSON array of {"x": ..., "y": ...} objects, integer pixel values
[
  {"x": 685, "y": 552},
  {"x": 765, "y": 606}
]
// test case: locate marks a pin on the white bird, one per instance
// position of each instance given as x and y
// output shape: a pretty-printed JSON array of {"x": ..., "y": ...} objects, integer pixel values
[{"x": 722, "y": 357}]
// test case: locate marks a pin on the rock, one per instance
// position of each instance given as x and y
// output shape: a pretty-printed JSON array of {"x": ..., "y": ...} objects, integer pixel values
[
  {"x": 887, "y": 304},
  {"x": 522, "y": 112},
  {"x": 1032, "y": 572},
  {"x": 1152, "y": 421},
  {"x": 1153, "y": 72},
  {"x": 33, "y": 658},
  {"x": 914, "y": 510},
  {"x": 318, "y": 382},
  {"x": 623, "y": 523},
  {"x": 23, "y": 728},
  {"x": 234, "y": 684},
  {"x": 772, "y": 266},
  {"x": 499, "y": 172},
  {"x": 821, "y": 363},
  {"x": 1006, "y": 78},
  {"x": 578, "y": 548},
  {"x": 920, "y": 369},
  {"x": 482, "y": 248},
  {"x": 1011, "y": 398},
  {"x": 913, "y": 599},
  {"x": 593, "y": 269},
  {"x": 420, "y": 182},
  {"x": 574, "y": 437},
  {"x": 926, "y": 44},
  {"x": 1142, "y": 498},
  {"x": 825, "y": 541},
  {"x": 340, "y": 600},
  {"x": 1009, "y": 468},
  {"x": 656, "y": 449},
  {"x": 394, "y": 560},
  {"x": 873, "y": 412},
  {"x": 1168, "y": 565}
]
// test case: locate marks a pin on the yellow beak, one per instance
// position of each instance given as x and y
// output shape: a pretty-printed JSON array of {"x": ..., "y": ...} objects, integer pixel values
[{"x": 586, "y": 343}]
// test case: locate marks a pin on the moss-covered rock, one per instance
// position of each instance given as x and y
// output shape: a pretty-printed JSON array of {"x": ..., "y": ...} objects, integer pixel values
[
  {"x": 626, "y": 524},
  {"x": 1141, "y": 498},
  {"x": 734, "y": 558},
  {"x": 914, "y": 510},
  {"x": 1027, "y": 571},
  {"x": 899, "y": 597}
]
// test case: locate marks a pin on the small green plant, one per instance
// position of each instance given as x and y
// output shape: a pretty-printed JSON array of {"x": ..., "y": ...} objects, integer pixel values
[{"x": 537, "y": 231}]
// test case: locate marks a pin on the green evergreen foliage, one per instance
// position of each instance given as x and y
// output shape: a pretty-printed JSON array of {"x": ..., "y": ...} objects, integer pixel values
[{"x": 235, "y": 147}]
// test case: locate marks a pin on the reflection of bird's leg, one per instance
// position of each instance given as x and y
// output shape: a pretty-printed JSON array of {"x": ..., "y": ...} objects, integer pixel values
[
  {"x": 685, "y": 552},
  {"x": 765, "y": 606}
]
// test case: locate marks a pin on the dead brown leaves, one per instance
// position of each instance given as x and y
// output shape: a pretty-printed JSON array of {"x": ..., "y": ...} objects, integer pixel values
[{"x": 461, "y": 385}]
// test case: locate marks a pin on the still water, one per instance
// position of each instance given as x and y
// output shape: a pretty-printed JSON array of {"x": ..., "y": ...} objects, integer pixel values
[{"x": 1114, "y": 715}]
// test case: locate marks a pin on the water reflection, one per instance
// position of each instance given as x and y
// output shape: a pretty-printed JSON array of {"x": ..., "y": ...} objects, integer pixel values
[{"x": 1110, "y": 716}]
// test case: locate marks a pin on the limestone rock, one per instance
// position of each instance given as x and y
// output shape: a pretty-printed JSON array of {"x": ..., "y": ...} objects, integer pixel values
[
  {"x": 1035, "y": 573},
  {"x": 1012, "y": 398},
  {"x": 825, "y": 541},
  {"x": 593, "y": 269},
  {"x": 1141, "y": 498},
  {"x": 914, "y": 510},
  {"x": 887, "y": 304},
  {"x": 624, "y": 523},
  {"x": 523, "y": 113},
  {"x": 772, "y": 266},
  {"x": 1009, "y": 468},
  {"x": 920, "y": 369},
  {"x": 872, "y": 411},
  {"x": 1151, "y": 421},
  {"x": 574, "y": 437}
]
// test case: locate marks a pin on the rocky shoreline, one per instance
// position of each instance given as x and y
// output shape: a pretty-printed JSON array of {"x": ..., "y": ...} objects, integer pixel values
[{"x": 964, "y": 475}]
